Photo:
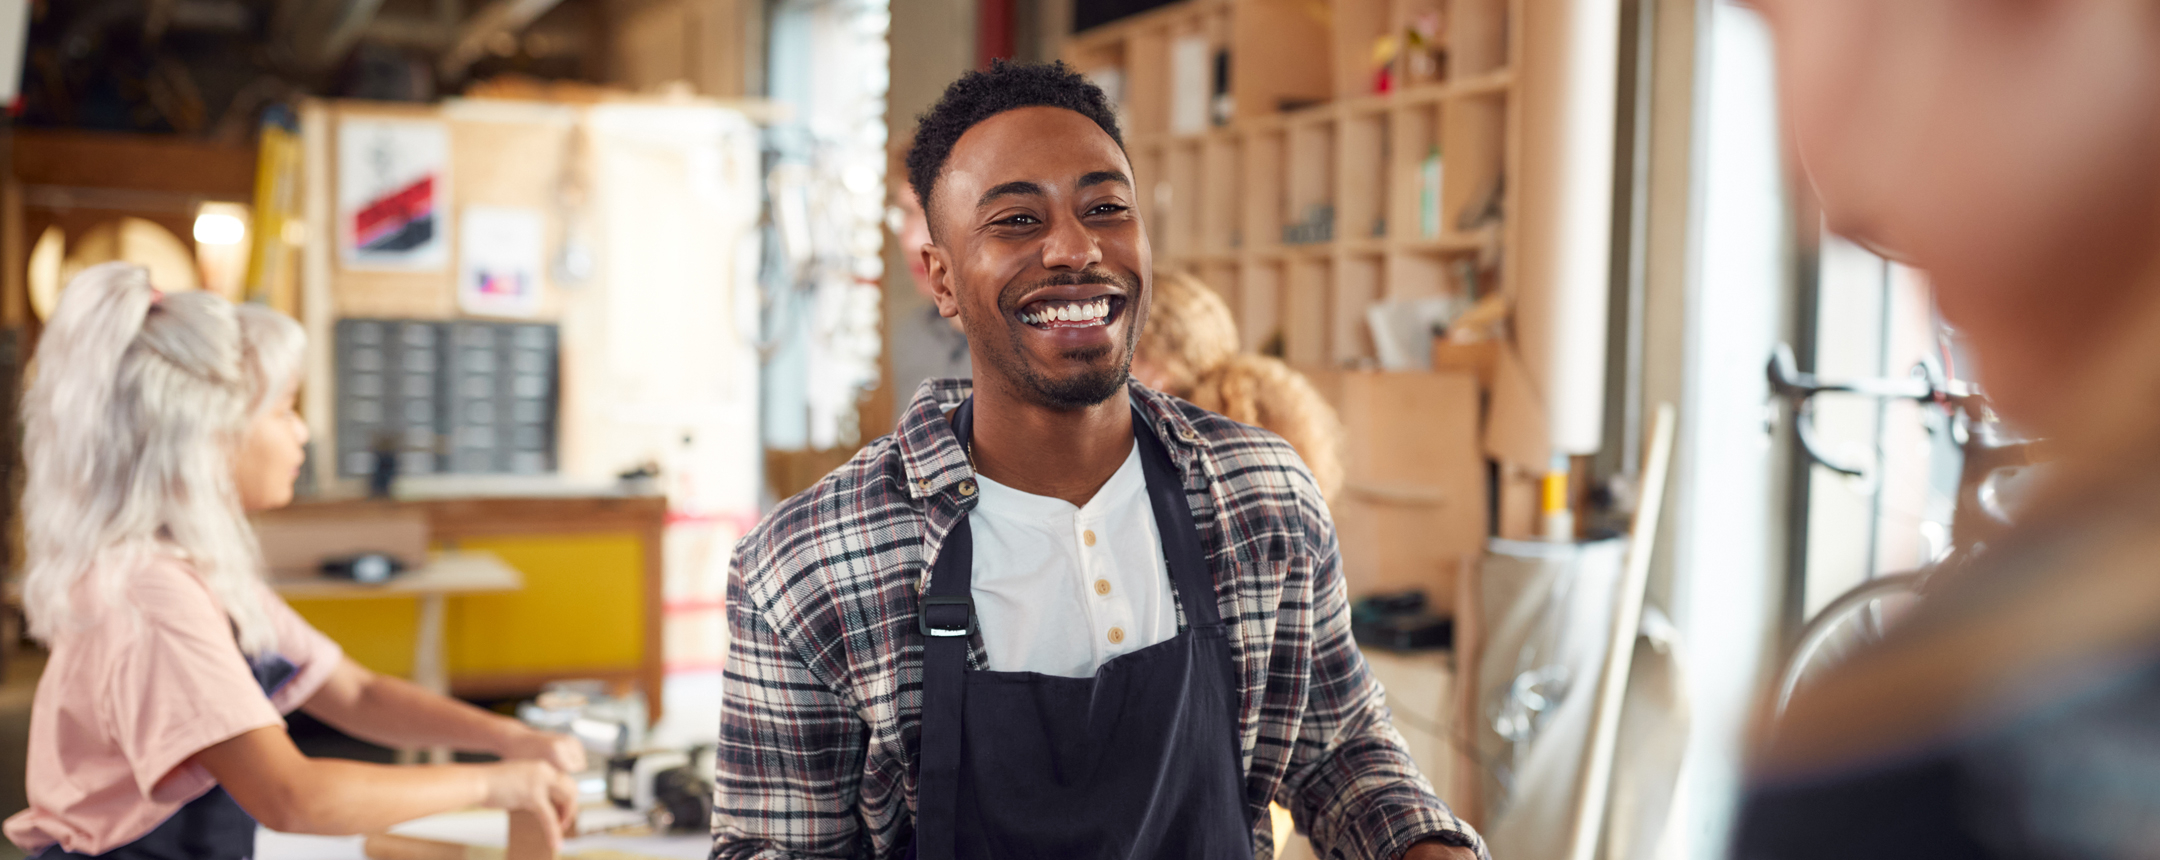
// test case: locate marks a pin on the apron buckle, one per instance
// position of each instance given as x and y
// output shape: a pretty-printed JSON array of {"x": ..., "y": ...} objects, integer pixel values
[{"x": 947, "y": 616}]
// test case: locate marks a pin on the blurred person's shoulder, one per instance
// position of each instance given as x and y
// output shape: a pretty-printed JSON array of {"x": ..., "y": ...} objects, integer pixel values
[
  {"x": 2015, "y": 714},
  {"x": 2064, "y": 617}
]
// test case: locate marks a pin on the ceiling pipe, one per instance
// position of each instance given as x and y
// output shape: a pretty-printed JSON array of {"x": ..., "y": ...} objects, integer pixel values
[
  {"x": 500, "y": 16},
  {"x": 316, "y": 35}
]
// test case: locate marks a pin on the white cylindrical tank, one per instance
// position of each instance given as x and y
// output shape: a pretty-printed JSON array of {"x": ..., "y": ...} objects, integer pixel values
[{"x": 1568, "y": 81}]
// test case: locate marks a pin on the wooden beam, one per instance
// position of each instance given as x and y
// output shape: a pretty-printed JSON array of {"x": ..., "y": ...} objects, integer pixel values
[{"x": 134, "y": 162}]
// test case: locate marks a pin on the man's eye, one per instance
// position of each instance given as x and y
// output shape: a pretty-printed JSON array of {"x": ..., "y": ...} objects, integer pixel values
[
  {"x": 1019, "y": 221},
  {"x": 1108, "y": 209}
]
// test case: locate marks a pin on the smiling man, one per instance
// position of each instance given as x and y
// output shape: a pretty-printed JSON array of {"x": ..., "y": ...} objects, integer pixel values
[{"x": 1054, "y": 615}]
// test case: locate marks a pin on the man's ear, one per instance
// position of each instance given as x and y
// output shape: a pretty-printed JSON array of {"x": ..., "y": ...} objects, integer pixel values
[{"x": 941, "y": 280}]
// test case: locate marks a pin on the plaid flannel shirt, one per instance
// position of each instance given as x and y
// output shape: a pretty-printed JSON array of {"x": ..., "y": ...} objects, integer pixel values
[{"x": 822, "y": 698}]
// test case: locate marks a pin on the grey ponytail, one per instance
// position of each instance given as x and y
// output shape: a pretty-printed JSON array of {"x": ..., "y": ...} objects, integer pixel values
[{"x": 137, "y": 405}]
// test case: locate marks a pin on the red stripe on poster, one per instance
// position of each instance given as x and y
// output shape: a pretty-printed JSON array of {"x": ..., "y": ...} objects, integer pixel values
[{"x": 392, "y": 212}]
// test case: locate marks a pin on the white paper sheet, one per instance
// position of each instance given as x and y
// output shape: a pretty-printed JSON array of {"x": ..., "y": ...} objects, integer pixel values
[{"x": 500, "y": 252}]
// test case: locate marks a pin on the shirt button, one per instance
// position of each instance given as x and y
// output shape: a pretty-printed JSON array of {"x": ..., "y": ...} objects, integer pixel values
[
  {"x": 967, "y": 488},
  {"x": 1102, "y": 586},
  {"x": 1117, "y": 635},
  {"x": 1088, "y": 537}
]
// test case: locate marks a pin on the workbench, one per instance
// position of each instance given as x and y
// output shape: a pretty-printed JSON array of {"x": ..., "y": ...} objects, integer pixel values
[
  {"x": 445, "y": 574},
  {"x": 589, "y": 606}
]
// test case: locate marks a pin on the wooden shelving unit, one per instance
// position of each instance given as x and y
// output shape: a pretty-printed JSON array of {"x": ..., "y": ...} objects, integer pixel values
[{"x": 1308, "y": 140}]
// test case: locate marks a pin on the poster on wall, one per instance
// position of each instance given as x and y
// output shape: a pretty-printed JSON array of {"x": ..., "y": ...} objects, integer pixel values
[
  {"x": 500, "y": 252},
  {"x": 393, "y": 191}
]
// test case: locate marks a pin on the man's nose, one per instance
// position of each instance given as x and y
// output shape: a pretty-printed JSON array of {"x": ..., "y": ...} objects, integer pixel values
[{"x": 1070, "y": 245}]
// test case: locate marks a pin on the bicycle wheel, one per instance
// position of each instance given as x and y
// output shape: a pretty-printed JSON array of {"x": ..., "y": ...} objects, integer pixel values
[{"x": 1849, "y": 623}]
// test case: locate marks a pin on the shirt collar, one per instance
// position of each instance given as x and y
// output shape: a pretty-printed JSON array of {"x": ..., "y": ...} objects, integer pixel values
[{"x": 933, "y": 460}]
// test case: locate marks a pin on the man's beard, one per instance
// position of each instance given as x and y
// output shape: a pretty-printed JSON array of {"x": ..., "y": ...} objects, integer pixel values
[
  {"x": 1086, "y": 388},
  {"x": 1081, "y": 390}
]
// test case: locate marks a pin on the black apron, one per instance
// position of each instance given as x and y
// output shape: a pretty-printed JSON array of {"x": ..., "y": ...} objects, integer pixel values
[
  {"x": 1138, "y": 762},
  {"x": 210, "y": 827}
]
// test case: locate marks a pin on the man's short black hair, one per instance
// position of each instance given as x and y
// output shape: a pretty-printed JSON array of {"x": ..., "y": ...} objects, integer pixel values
[{"x": 978, "y": 96}]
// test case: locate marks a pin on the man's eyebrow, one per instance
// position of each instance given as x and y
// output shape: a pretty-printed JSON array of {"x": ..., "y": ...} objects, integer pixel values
[
  {"x": 1009, "y": 189},
  {"x": 1101, "y": 176}
]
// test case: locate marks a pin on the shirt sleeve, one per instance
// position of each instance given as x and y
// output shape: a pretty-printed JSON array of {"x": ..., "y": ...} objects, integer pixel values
[
  {"x": 1351, "y": 780},
  {"x": 178, "y": 683},
  {"x": 314, "y": 656},
  {"x": 791, "y": 750}
]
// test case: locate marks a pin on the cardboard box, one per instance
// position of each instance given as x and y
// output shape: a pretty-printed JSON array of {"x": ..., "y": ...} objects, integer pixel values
[
  {"x": 1477, "y": 358},
  {"x": 1413, "y": 507}
]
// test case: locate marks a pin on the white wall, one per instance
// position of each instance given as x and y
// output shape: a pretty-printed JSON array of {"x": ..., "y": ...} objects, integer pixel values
[{"x": 1712, "y": 331}]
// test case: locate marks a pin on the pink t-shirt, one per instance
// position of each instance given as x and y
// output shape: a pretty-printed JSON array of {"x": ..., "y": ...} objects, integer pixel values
[{"x": 129, "y": 698}]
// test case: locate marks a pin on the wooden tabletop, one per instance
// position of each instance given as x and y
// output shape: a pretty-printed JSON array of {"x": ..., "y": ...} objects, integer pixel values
[{"x": 445, "y": 573}]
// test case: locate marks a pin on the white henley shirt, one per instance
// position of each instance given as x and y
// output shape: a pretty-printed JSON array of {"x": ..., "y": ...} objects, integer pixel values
[{"x": 1060, "y": 589}]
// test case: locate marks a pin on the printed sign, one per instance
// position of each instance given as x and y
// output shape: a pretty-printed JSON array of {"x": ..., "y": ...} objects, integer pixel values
[
  {"x": 500, "y": 252},
  {"x": 393, "y": 190}
]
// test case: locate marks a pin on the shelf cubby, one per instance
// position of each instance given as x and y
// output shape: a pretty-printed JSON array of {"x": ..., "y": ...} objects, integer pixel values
[{"x": 1312, "y": 198}]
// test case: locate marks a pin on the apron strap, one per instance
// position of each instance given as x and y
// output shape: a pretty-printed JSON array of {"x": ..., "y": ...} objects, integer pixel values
[
  {"x": 1173, "y": 518},
  {"x": 946, "y": 619}
]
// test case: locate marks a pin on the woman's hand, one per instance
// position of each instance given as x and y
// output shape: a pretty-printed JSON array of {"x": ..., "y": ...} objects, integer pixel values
[
  {"x": 535, "y": 787},
  {"x": 562, "y": 751}
]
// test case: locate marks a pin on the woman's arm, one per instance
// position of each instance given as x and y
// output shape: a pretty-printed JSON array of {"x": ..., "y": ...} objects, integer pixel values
[
  {"x": 291, "y": 793},
  {"x": 397, "y": 713}
]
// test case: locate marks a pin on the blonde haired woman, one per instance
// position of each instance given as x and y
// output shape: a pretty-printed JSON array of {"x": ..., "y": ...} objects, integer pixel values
[
  {"x": 1190, "y": 350},
  {"x": 153, "y": 424}
]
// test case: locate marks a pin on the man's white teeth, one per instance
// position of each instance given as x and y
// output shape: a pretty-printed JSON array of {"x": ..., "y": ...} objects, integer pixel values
[{"x": 1080, "y": 312}]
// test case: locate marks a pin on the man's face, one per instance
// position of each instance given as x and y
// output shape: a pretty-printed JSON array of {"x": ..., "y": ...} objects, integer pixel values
[{"x": 1038, "y": 249}]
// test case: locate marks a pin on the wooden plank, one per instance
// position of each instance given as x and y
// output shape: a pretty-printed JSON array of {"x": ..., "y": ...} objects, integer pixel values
[
  {"x": 318, "y": 307},
  {"x": 1147, "y": 81},
  {"x": 14, "y": 258},
  {"x": 1361, "y": 177},
  {"x": 1220, "y": 195},
  {"x": 1259, "y": 307},
  {"x": 1310, "y": 182},
  {"x": 1181, "y": 174},
  {"x": 1478, "y": 34},
  {"x": 167, "y": 164},
  {"x": 1412, "y": 132},
  {"x": 1305, "y": 312},
  {"x": 1357, "y": 284},
  {"x": 1281, "y": 51},
  {"x": 1359, "y": 24},
  {"x": 1473, "y": 149},
  {"x": 1264, "y": 173}
]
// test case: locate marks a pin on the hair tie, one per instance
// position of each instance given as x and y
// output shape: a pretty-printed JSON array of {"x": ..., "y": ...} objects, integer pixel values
[{"x": 157, "y": 297}]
